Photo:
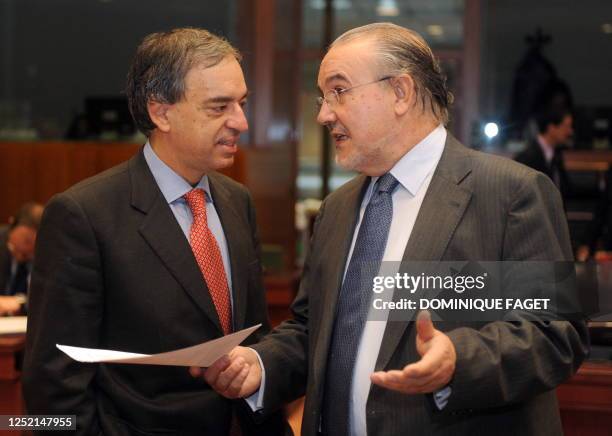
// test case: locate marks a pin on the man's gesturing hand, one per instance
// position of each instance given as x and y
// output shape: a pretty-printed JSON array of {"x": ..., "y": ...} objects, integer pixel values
[
  {"x": 236, "y": 375},
  {"x": 435, "y": 369}
]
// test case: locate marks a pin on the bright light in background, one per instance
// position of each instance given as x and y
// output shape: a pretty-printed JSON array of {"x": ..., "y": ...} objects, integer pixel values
[
  {"x": 435, "y": 30},
  {"x": 491, "y": 130},
  {"x": 387, "y": 8},
  {"x": 606, "y": 28}
]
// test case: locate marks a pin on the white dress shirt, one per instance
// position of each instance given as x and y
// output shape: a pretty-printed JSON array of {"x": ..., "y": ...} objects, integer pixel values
[
  {"x": 547, "y": 149},
  {"x": 173, "y": 187},
  {"x": 414, "y": 172}
]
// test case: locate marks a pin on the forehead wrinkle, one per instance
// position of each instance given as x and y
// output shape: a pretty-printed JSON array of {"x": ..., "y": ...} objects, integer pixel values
[{"x": 346, "y": 60}]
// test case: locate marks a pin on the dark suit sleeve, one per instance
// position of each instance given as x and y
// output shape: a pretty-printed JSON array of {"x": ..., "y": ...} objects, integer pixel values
[
  {"x": 507, "y": 362},
  {"x": 260, "y": 294},
  {"x": 284, "y": 352},
  {"x": 268, "y": 421},
  {"x": 66, "y": 307}
]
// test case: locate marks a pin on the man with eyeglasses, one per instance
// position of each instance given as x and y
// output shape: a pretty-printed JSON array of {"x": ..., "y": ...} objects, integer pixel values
[{"x": 421, "y": 196}]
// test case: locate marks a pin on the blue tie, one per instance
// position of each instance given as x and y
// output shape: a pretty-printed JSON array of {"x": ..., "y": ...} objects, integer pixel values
[{"x": 353, "y": 305}]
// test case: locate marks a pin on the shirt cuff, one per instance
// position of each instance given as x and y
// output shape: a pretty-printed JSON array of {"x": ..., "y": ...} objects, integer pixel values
[
  {"x": 255, "y": 400},
  {"x": 441, "y": 397}
]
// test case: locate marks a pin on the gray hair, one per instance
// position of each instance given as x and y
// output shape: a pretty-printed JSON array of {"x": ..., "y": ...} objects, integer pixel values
[
  {"x": 403, "y": 51},
  {"x": 161, "y": 63}
]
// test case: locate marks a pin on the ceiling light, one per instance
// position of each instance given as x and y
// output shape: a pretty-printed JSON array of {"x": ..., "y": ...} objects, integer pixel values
[
  {"x": 491, "y": 130},
  {"x": 387, "y": 8},
  {"x": 435, "y": 30}
]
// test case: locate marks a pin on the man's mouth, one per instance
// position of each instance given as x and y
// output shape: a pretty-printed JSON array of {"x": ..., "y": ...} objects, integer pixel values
[
  {"x": 339, "y": 137},
  {"x": 228, "y": 142}
]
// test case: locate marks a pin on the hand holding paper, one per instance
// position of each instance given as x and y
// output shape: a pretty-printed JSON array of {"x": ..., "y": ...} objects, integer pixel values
[
  {"x": 202, "y": 355},
  {"x": 237, "y": 375}
]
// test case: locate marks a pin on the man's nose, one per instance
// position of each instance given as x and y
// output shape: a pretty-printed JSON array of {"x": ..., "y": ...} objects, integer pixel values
[
  {"x": 238, "y": 120},
  {"x": 326, "y": 115}
]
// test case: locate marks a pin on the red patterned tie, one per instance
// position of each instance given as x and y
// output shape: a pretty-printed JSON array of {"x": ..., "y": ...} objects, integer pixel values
[{"x": 208, "y": 256}]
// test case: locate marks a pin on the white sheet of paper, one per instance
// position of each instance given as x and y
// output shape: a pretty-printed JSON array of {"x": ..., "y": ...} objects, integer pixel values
[
  {"x": 202, "y": 355},
  {"x": 13, "y": 324}
]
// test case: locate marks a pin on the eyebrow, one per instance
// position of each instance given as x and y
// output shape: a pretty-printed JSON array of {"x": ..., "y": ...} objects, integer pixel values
[
  {"x": 225, "y": 99},
  {"x": 337, "y": 76}
]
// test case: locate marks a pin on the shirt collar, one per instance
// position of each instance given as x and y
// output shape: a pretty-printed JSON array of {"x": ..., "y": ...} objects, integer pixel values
[
  {"x": 414, "y": 167},
  {"x": 547, "y": 149},
  {"x": 172, "y": 186}
]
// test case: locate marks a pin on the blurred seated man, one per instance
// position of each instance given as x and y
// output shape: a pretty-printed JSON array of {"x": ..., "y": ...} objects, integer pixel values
[
  {"x": 555, "y": 128},
  {"x": 16, "y": 255}
]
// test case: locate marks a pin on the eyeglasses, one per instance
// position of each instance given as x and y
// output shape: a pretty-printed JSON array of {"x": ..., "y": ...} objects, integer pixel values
[{"x": 332, "y": 97}]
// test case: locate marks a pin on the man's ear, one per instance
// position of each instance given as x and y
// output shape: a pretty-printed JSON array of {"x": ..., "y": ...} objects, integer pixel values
[
  {"x": 403, "y": 88},
  {"x": 158, "y": 112}
]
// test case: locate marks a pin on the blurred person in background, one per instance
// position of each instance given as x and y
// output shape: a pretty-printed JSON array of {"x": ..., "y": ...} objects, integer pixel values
[
  {"x": 17, "y": 243},
  {"x": 544, "y": 153}
]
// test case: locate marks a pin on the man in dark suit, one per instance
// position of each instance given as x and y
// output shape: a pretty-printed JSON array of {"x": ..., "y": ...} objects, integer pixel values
[
  {"x": 16, "y": 256},
  {"x": 156, "y": 254},
  {"x": 545, "y": 153},
  {"x": 421, "y": 196}
]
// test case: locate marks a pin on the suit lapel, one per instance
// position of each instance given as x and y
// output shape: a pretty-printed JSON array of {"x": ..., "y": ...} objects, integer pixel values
[
  {"x": 443, "y": 206},
  {"x": 164, "y": 235},
  {"x": 236, "y": 237}
]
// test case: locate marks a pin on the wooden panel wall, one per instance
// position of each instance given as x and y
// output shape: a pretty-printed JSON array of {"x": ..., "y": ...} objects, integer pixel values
[
  {"x": 269, "y": 173},
  {"x": 38, "y": 170}
]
